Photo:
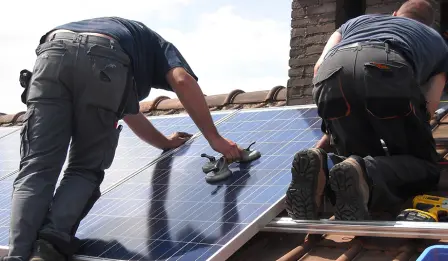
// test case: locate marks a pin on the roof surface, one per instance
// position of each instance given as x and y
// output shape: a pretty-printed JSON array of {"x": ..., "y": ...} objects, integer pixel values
[
  {"x": 163, "y": 105},
  {"x": 283, "y": 246}
]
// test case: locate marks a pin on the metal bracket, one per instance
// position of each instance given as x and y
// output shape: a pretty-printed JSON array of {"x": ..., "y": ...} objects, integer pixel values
[{"x": 396, "y": 229}]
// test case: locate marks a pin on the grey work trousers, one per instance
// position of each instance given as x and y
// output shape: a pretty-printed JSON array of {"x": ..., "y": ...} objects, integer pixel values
[
  {"x": 75, "y": 93},
  {"x": 367, "y": 93}
]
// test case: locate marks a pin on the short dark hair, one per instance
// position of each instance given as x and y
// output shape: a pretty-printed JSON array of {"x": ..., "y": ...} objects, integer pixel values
[{"x": 420, "y": 10}]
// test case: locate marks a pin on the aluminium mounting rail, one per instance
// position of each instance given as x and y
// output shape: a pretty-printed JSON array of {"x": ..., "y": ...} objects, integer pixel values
[{"x": 395, "y": 229}]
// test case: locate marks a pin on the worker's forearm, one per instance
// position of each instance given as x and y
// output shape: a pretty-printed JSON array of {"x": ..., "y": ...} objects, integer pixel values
[
  {"x": 192, "y": 98},
  {"x": 143, "y": 128},
  {"x": 433, "y": 92}
]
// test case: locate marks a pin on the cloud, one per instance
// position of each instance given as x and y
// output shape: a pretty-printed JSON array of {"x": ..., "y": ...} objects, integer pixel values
[
  {"x": 225, "y": 49},
  {"x": 228, "y": 52},
  {"x": 25, "y": 22}
]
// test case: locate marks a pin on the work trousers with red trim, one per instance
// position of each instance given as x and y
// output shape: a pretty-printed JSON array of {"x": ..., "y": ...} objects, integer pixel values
[{"x": 368, "y": 93}]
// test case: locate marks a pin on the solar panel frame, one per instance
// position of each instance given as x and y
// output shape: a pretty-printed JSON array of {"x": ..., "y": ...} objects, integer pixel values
[{"x": 266, "y": 216}]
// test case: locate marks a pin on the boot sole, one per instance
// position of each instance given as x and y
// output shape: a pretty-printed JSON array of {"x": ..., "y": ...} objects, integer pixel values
[
  {"x": 300, "y": 197},
  {"x": 344, "y": 181}
]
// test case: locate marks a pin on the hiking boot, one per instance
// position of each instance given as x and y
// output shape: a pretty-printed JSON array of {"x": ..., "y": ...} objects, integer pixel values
[
  {"x": 348, "y": 181},
  {"x": 44, "y": 251},
  {"x": 305, "y": 192}
]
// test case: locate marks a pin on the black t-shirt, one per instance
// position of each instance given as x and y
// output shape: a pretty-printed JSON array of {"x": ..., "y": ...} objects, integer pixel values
[
  {"x": 424, "y": 47},
  {"x": 151, "y": 55}
]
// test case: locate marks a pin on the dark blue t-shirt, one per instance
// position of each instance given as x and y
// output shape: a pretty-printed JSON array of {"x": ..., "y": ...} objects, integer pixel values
[
  {"x": 423, "y": 46},
  {"x": 151, "y": 55}
]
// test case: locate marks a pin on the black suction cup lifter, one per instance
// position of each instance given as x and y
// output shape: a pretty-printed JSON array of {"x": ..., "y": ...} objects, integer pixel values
[
  {"x": 209, "y": 166},
  {"x": 220, "y": 172},
  {"x": 248, "y": 155},
  {"x": 211, "y": 158},
  {"x": 248, "y": 148}
]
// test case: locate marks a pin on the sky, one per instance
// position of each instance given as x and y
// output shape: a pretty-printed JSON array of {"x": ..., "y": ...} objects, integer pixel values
[{"x": 233, "y": 44}]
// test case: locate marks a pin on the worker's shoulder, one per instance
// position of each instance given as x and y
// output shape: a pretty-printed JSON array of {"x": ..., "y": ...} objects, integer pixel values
[
  {"x": 366, "y": 20},
  {"x": 370, "y": 17}
]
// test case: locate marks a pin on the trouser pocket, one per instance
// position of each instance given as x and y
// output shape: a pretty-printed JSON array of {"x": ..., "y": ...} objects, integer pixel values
[
  {"x": 388, "y": 88},
  {"x": 113, "y": 136},
  {"x": 328, "y": 94},
  {"x": 24, "y": 136},
  {"x": 108, "y": 79}
]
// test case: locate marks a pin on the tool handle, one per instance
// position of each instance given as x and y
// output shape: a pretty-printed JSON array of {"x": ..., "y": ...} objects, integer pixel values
[
  {"x": 248, "y": 148},
  {"x": 211, "y": 158}
]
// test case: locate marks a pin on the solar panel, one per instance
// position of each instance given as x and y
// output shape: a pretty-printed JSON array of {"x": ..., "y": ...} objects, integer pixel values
[
  {"x": 9, "y": 150},
  {"x": 132, "y": 154},
  {"x": 5, "y": 208},
  {"x": 5, "y": 131},
  {"x": 168, "y": 211}
]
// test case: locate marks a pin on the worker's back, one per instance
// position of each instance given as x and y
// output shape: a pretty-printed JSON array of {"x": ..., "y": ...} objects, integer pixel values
[
  {"x": 423, "y": 46},
  {"x": 151, "y": 55}
]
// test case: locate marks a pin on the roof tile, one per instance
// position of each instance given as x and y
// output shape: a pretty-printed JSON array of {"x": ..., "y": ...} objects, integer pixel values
[
  {"x": 163, "y": 105},
  {"x": 216, "y": 100},
  {"x": 251, "y": 97}
]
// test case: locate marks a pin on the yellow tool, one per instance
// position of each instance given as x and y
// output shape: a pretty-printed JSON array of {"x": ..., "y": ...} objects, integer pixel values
[
  {"x": 437, "y": 206},
  {"x": 416, "y": 215}
]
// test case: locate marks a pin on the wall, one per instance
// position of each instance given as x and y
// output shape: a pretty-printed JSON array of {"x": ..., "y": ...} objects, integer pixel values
[{"x": 312, "y": 23}]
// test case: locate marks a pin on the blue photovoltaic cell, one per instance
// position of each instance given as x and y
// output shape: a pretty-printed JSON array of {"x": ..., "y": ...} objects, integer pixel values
[
  {"x": 5, "y": 208},
  {"x": 9, "y": 150},
  {"x": 4, "y": 131},
  {"x": 169, "y": 212},
  {"x": 131, "y": 154},
  {"x": 9, "y": 161}
]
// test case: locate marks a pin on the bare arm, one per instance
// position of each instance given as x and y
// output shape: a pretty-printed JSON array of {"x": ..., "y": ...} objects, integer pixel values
[
  {"x": 335, "y": 38},
  {"x": 144, "y": 129},
  {"x": 192, "y": 98},
  {"x": 433, "y": 91}
]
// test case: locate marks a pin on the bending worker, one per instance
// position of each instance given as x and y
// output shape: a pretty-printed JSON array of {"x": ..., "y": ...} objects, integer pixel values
[
  {"x": 367, "y": 89},
  {"x": 87, "y": 76}
]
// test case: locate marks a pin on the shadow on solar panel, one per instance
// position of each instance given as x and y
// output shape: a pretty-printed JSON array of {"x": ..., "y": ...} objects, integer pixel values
[
  {"x": 168, "y": 211},
  {"x": 189, "y": 242}
]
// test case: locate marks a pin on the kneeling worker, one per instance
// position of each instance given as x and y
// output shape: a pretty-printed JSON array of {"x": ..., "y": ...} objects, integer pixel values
[{"x": 366, "y": 88}]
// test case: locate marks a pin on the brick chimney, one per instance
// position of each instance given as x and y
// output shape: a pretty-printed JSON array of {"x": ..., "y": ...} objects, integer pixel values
[{"x": 313, "y": 21}]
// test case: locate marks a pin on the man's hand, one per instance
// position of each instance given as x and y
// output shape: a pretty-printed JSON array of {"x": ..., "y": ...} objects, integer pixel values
[
  {"x": 192, "y": 98},
  {"x": 176, "y": 139},
  {"x": 228, "y": 148},
  {"x": 143, "y": 128}
]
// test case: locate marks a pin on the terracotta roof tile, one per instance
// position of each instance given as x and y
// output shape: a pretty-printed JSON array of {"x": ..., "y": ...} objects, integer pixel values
[
  {"x": 163, "y": 105},
  {"x": 332, "y": 247}
]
